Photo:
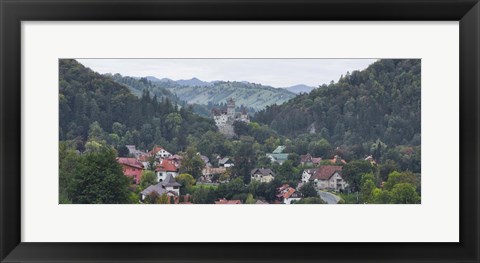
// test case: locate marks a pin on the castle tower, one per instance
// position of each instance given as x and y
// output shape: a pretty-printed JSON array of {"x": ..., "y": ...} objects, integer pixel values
[{"x": 231, "y": 108}]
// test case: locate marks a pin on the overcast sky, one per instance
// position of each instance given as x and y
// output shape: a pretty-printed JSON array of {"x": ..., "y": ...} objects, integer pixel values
[{"x": 273, "y": 72}]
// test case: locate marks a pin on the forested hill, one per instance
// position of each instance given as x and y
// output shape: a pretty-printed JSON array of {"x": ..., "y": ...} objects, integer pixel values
[
  {"x": 255, "y": 96},
  {"x": 139, "y": 85},
  {"x": 381, "y": 102},
  {"x": 93, "y": 106}
]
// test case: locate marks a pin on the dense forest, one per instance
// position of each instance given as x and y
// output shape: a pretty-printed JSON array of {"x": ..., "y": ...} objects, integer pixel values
[
  {"x": 88, "y": 100},
  {"x": 139, "y": 85},
  {"x": 365, "y": 112}
]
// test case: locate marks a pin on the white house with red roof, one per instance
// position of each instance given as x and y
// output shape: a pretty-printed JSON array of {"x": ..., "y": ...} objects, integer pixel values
[
  {"x": 160, "y": 153},
  {"x": 166, "y": 168},
  {"x": 287, "y": 194}
]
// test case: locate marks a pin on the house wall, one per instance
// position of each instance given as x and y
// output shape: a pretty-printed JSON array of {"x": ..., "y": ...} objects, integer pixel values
[
  {"x": 331, "y": 183},
  {"x": 162, "y": 175},
  {"x": 305, "y": 176},
  {"x": 163, "y": 154},
  {"x": 171, "y": 188},
  {"x": 129, "y": 171},
  {"x": 261, "y": 178}
]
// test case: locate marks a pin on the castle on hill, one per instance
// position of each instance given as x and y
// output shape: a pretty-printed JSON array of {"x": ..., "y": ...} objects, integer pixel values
[{"x": 225, "y": 118}]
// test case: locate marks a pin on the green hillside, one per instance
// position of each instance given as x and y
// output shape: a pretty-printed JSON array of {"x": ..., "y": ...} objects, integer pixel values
[
  {"x": 367, "y": 111},
  {"x": 92, "y": 104},
  {"x": 138, "y": 85},
  {"x": 253, "y": 95}
]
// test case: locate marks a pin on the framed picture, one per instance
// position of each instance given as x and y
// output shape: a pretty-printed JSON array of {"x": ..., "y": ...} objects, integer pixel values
[{"x": 239, "y": 131}]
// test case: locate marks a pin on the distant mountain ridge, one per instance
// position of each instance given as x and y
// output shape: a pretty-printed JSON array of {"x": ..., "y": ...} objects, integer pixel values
[
  {"x": 196, "y": 91},
  {"x": 300, "y": 88}
]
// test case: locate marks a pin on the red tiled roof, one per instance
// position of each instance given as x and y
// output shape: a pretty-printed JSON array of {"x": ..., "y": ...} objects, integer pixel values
[
  {"x": 288, "y": 193},
  {"x": 227, "y": 202},
  {"x": 130, "y": 162},
  {"x": 167, "y": 165},
  {"x": 143, "y": 158},
  {"x": 324, "y": 172},
  {"x": 316, "y": 160},
  {"x": 283, "y": 187}
]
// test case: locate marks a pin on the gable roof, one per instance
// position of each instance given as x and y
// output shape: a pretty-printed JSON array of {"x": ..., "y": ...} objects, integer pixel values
[
  {"x": 131, "y": 148},
  {"x": 279, "y": 149},
  {"x": 225, "y": 160},
  {"x": 132, "y": 162},
  {"x": 262, "y": 171},
  {"x": 279, "y": 156},
  {"x": 324, "y": 172},
  {"x": 158, "y": 188},
  {"x": 143, "y": 158},
  {"x": 156, "y": 149},
  {"x": 170, "y": 181},
  {"x": 288, "y": 192},
  {"x": 166, "y": 165}
]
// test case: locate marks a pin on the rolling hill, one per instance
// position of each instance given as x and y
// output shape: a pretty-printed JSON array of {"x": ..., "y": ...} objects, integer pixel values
[{"x": 255, "y": 96}]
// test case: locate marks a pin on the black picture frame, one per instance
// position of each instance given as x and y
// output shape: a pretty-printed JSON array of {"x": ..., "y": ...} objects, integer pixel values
[{"x": 13, "y": 12}]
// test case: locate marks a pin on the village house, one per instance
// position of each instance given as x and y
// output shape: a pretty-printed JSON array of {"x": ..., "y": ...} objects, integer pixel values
[
  {"x": 225, "y": 162},
  {"x": 278, "y": 155},
  {"x": 307, "y": 159},
  {"x": 325, "y": 177},
  {"x": 166, "y": 168},
  {"x": 262, "y": 175},
  {"x": 134, "y": 152},
  {"x": 371, "y": 160},
  {"x": 169, "y": 186},
  {"x": 160, "y": 153},
  {"x": 287, "y": 194},
  {"x": 224, "y": 201},
  {"x": 205, "y": 160},
  {"x": 208, "y": 173},
  {"x": 176, "y": 160},
  {"x": 131, "y": 168},
  {"x": 145, "y": 160}
]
